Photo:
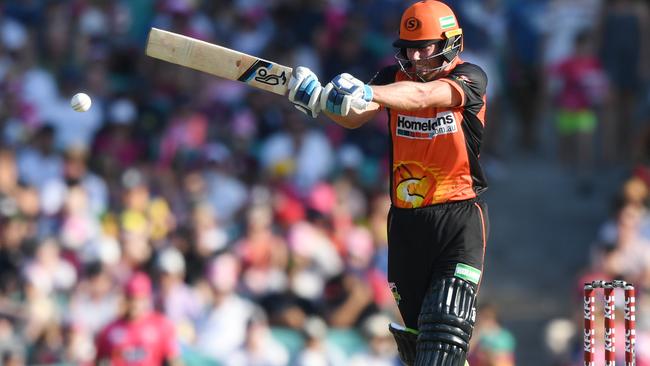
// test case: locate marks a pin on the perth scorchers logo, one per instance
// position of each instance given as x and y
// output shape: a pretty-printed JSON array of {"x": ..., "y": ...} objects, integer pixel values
[
  {"x": 415, "y": 185},
  {"x": 412, "y": 24}
]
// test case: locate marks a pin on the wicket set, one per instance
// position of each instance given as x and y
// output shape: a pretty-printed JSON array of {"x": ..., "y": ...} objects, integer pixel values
[{"x": 610, "y": 334}]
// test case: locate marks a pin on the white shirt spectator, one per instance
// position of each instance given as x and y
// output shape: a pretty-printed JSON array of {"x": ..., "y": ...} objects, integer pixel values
[
  {"x": 54, "y": 191},
  {"x": 92, "y": 313},
  {"x": 270, "y": 353},
  {"x": 223, "y": 331},
  {"x": 227, "y": 194},
  {"x": 311, "y": 161},
  {"x": 49, "y": 272},
  {"x": 35, "y": 168}
]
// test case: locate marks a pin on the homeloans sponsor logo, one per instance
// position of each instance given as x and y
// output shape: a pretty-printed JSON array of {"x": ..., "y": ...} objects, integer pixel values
[{"x": 426, "y": 128}]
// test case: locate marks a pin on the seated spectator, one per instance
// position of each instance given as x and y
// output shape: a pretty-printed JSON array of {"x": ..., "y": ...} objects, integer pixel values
[
  {"x": 629, "y": 254},
  {"x": 382, "y": 350},
  {"x": 222, "y": 329},
  {"x": 11, "y": 346},
  {"x": 180, "y": 302},
  {"x": 225, "y": 191},
  {"x": 302, "y": 155},
  {"x": 122, "y": 342},
  {"x": 259, "y": 348},
  {"x": 263, "y": 253},
  {"x": 317, "y": 350},
  {"x": 95, "y": 301},
  {"x": 493, "y": 344},
  {"x": 75, "y": 171},
  {"x": 115, "y": 147},
  {"x": 39, "y": 162}
]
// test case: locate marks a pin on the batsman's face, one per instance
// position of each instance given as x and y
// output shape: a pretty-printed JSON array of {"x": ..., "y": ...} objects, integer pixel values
[
  {"x": 426, "y": 60},
  {"x": 420, "y": 54}
]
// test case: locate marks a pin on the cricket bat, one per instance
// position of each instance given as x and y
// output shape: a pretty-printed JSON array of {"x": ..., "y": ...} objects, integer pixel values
[{"x": 217, "y": 60}]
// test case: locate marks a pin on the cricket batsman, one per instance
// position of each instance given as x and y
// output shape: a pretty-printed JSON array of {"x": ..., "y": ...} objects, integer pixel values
[{"x": 437, "y": 225}]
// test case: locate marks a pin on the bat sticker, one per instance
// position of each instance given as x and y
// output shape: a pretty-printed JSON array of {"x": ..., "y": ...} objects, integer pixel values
[
  {"x": 251, "y": 71},
  {"x": 264, "y": 77},
  {"x": 259, "y": 70}
]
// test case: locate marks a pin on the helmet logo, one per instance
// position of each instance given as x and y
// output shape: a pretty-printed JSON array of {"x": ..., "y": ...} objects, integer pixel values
[{"x": 412, "y": 24}]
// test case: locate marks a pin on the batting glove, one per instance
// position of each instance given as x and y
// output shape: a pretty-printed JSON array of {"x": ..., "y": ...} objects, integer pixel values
[
  {"x": 343, "y": 92},
  {"x": 304, "y": 91}
]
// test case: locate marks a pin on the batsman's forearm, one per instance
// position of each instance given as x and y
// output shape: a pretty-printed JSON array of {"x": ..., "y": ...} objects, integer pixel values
[
  {"x": 355, "y": 118},
  {"x": 410, "y": 95}
]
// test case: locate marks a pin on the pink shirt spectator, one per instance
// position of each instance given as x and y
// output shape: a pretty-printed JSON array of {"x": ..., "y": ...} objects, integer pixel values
[
  {"x": 583, "y": 82},
  {"x": 147, "y": 341},
  {"x": 187, "y": 131}
]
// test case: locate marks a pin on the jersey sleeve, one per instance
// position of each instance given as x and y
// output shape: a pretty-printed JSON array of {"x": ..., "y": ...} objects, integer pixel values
[
  {"x": 169, "y": 345},
  {"x": 471, "y": 81},
  {"x": 101, "y": 345},
  {"x": 384, "y": 76}
]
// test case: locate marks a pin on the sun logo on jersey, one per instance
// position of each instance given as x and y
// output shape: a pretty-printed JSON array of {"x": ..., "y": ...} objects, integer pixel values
[
  {"x": 412, "y": 184},
  {"x": 417, "y": 186}
]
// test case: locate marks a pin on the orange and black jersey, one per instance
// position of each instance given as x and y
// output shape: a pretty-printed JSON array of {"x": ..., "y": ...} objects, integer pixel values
[{"x": 435, "y": 151}]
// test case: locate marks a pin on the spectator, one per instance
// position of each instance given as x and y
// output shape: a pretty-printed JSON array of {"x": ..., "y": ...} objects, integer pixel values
[
  {"x": 263, "y": 253},
  {"x": 40, "y": 162},
  {"x": 623, "y": 50},
  {"x": 315, "y": 258},
  {"x": 226, "y": 192},
  {"x": 223, "y": 329},
  {"x": 95, "y": 302},
  {"x": 629, "y": 256},
  {"x": 49, "y": 273},
  {"x": 524, "y": 79},
  {"x": 140, "y": 335},
  {"x": 8, "y": 182},
  {"x": 582, "y": 89},
  {"x": 180, "y": 302},
  {"x": 75, "y": 171},
  {"x": 318, "y": 351},
  {"x": 382, "y": 350},
  {"x": 115, "y": 147},
  {"x": 259, "y": 348},
  {"x": 185, "y": 135},
  {"x": 494, "y": 345},
  {"x": 11, "y": 346},
  {"x": 302, "y": 155},
  {"x": 78, "y": 226}
]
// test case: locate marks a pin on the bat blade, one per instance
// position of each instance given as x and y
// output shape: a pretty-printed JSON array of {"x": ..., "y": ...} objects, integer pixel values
[{"x": 217, "y": 60}]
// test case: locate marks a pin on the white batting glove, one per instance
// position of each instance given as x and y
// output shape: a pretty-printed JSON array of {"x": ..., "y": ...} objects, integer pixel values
[
  {"x": 304, "y": 91},
  {"x": 343, "y": 92}
]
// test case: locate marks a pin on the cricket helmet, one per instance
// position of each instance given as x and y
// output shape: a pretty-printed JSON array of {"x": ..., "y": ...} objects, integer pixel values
[{"x": 430, "y": 22}]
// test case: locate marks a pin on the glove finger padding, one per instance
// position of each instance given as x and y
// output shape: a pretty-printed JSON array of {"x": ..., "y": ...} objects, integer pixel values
[
  {"x": 313, "y": 92},
  {"x": 306, "y": 111},
  {"x": 347, "y": 84},
  {"x": 359, "y": 103},
  {"x": 298, "y": 75},
  {"x": 334, "y": 101},
  {"x": 344, "y": 92},
  {"x": 324, "y": 96},
  {"x": 305, "y": 91}
]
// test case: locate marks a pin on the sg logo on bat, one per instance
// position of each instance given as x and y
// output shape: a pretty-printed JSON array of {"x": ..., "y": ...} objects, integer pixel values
[{"x": 259, "y": 70}]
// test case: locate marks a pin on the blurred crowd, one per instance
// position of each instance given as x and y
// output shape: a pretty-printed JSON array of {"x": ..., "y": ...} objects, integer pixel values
[{"x": 257, "y": 236}]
